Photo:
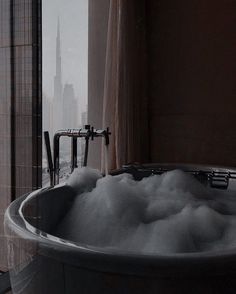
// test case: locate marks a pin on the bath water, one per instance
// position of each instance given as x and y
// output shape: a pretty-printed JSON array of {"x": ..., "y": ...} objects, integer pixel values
[{"x": 165, "y": 214}]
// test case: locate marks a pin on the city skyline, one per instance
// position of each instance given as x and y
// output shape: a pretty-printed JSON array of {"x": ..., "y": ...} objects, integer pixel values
[
  {"x": 74, "y": 47},
  {"x": 62, "y": 110}
]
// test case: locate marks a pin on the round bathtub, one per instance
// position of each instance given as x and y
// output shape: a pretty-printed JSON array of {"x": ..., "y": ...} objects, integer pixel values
[{"x": 42, "y": 263}]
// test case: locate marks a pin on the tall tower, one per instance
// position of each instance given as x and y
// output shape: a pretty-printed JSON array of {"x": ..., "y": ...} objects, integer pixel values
[
  {"x": 58, "y": 97},
  {"x": 70, "y": 112},
  {"x": 58, "y": 76}
]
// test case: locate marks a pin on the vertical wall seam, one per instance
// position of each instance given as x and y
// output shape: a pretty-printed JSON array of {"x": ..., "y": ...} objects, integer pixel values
[
  {"x": 36, "y": 94},
  {"x": 13, "y": 132}
]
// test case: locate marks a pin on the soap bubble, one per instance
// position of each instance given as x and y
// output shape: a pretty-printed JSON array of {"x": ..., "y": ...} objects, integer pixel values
[{"x": 161, "y": 214}]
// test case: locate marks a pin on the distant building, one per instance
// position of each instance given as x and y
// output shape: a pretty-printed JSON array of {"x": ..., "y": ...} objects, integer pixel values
[
  {"x": 65, "y": 107},
  {"x": 70, "y": 107},
  {"x": 84, "y": 118},
  {"x": 58, "y": 97},
  {"x": 47, "y": 114}
]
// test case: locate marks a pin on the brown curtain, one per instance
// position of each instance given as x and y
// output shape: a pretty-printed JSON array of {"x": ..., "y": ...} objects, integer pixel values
[{"x": 125, "y": 92}]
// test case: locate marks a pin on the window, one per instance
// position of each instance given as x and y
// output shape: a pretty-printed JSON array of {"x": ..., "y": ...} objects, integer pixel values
[{"x": 65, "y": 59}]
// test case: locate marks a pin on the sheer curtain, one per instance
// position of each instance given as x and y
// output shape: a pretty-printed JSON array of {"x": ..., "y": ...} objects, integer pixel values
[{"x": 125, "y": 108}]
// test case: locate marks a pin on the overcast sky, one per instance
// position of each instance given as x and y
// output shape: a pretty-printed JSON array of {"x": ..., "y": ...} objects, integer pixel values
[{"x": 73, "y": 16}]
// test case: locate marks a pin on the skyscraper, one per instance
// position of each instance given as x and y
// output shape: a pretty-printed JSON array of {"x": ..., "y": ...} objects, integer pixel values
[
  {"x": 47, "y": 114},
  {"x": 70, "y": 107},
  {"x": 58, "y": 76},
  {"x": 58, "y": 97}
]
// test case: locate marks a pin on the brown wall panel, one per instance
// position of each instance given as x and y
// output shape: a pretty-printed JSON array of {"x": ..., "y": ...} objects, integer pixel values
[
  {"x": 20, "y": 82},
  {"x": 192, "y": 81}
]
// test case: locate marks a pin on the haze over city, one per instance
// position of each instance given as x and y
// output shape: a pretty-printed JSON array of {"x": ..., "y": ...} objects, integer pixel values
[{"x": 74, "y": 46}]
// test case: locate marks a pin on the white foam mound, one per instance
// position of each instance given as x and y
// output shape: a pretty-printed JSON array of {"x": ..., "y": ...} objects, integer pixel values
[{"x": 171, "y": 213}]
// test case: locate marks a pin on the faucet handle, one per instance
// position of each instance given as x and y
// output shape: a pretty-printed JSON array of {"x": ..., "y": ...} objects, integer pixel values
[
  {"x": 49, "y": 156},
  {"x": 92, "y": 133},
  {"x": 108, "y": 131}
]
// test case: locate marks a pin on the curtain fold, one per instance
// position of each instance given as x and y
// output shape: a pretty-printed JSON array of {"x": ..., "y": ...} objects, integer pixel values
[{"x": 125, "y": 105}]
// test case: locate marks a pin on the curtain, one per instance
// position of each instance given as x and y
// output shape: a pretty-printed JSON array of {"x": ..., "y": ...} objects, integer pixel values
[{"x": 125, "y": 108}]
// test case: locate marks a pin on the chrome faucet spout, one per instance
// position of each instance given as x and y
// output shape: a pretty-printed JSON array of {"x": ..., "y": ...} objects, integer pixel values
[{"x": 88, "y": 133}]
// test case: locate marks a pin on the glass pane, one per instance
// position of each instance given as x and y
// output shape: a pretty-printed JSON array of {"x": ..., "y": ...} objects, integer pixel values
[{"x": 65, "y": 59}]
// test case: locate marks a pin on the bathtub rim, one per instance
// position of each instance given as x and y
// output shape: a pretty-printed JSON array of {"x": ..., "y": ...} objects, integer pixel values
[{"x": 116, "y": 261}]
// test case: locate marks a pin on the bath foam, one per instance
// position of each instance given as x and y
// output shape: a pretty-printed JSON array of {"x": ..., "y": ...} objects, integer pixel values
[{"x": 161, "y": 214}]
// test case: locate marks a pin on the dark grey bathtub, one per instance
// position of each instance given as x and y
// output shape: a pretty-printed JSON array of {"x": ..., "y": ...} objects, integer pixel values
[{"x": 42, "y": 263}]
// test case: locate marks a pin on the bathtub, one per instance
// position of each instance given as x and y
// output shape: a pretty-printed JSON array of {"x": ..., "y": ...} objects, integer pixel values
[{"x": 42, "y": 263}]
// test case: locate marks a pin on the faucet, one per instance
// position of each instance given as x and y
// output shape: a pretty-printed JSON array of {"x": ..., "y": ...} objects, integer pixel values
[{"x": 87, "y": 132}]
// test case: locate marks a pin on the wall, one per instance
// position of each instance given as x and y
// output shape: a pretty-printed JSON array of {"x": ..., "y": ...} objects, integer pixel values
[
  {"x": 20, "y": 104},
  {"x": 192, "y": 81},
  {"x": 191, "y": 76}
]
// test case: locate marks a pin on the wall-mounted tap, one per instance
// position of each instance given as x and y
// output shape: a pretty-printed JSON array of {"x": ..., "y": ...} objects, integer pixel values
[{"x": 87, "y": 132}]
